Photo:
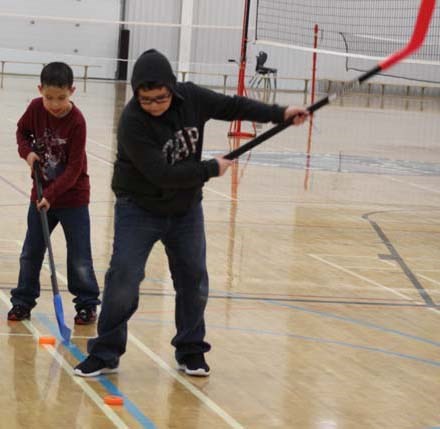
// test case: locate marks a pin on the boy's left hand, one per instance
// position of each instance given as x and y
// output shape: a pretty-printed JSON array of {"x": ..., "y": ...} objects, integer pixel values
[
  {"x": 43, "y": 204},
  {"x": 298, "y": 114}
]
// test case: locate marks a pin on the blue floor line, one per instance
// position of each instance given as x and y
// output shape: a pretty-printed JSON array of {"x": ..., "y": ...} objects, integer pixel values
[
  {"x": 355, "y": 321},
  {"x": 306, "y": 338},
  {"x": 143, "y": 420}
]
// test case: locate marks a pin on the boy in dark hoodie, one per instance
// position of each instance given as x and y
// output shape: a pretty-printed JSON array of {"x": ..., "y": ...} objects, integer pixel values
[{"x": 158, "y": 179}]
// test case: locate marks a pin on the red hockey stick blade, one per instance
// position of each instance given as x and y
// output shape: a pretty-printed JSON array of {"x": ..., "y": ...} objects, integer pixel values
[{"x": 420, "y": 30}]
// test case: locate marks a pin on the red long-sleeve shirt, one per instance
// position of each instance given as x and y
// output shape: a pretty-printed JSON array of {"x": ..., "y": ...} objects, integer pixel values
[{"x": 60, "y": 144}]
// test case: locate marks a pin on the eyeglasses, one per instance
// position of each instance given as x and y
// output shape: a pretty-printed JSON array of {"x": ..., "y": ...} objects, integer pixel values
[{"x": 160, "y": 99}]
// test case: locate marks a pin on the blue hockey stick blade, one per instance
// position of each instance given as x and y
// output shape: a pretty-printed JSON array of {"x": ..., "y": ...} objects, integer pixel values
[{"x": 64, "y": 330}]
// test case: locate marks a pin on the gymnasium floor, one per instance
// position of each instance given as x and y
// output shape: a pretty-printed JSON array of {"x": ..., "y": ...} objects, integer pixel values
[{"x": 325, "y": 283}]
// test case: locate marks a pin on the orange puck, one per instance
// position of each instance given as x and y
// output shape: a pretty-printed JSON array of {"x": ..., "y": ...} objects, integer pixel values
[
  {"x": 47, "y": 340},
  {"x": 113, "y": 400}
]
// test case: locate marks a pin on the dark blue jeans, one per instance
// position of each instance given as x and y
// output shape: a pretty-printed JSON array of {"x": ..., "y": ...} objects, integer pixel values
[
  {"x": 81, "y": 280},
  {"x": 136, "y": 231}
]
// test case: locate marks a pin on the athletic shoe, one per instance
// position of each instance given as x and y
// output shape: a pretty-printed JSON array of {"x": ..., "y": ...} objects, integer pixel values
[
  {"x": 194, "y": 364},
  {"x": 92, "y": 367},
  {"x": 19, "y": 312},
  {"x": 85, "y": 316}
]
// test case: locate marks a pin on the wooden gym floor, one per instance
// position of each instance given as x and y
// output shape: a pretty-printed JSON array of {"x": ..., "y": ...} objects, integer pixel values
[{"x": 325, "y": 283}]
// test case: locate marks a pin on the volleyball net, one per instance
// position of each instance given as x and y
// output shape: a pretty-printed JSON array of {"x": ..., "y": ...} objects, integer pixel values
[{"x": 361, "y": 31}]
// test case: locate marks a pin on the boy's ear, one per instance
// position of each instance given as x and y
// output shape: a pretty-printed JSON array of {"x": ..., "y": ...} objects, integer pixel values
[
  {"x": 40, "y": 87},
  {"x": 72, "y": 90}
]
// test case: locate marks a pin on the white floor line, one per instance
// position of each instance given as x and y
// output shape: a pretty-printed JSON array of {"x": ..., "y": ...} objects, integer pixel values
[
  {"x": 226, "y": 196},
  {"x": 153, "y": 356},
  {"x": 345, "y": 270},
  {"x": 12, "y": 334},
  {"x": 112, "y": 416},
  {"x": 366, "y": 279},
  {"x": 99, "y": 159},
  {"x": 182, "y": 380},
  {"x": 414, "y": 185},
  {"x": 110, "y": 149},
  {"x": 428, "y": 278},
  {"x": 417, "y": 274}
]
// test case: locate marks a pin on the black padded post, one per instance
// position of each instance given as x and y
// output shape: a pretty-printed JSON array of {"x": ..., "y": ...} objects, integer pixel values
[{"x": 124, "y": 40}]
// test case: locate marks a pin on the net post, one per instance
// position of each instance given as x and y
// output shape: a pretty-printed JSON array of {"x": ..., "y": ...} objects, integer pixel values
[
  {"x": 312, "y": 100},
  {"x": 235, "y": 128}
]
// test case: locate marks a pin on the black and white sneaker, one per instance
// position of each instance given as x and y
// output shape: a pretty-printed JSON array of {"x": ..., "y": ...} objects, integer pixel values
[
  {"x": 194, "y": 364},
  {"x": 92, "y": 367},
  {"x": 85, "y": 316},
  {"x": 18, "y": 313}
]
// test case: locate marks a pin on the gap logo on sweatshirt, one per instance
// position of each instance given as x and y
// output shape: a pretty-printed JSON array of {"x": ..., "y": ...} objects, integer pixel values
[{"x": 182, "y": 145}]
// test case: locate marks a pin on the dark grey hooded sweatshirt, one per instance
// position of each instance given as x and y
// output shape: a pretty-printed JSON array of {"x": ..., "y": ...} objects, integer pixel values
[{"x": 158, "y": 162}]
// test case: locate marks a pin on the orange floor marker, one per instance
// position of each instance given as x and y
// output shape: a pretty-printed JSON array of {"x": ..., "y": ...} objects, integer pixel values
[
  {"x": 47, "y": 340},
  {"x": 113, "y": 400}
]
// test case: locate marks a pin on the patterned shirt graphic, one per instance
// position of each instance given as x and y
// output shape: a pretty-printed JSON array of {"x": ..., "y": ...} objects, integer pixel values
[{"x": 52, "y": 152}]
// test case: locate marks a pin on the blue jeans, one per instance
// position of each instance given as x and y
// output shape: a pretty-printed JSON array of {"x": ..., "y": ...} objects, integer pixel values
[
  {"x": 136, "y": 231},
  {"x": 81, "y": 280}
]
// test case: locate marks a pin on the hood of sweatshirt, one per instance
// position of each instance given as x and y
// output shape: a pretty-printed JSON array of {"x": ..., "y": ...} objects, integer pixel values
[{"x": 152, "y": 66}]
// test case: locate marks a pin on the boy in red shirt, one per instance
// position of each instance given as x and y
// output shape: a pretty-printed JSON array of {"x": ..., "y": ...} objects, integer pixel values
[{"x": 52, "y": 131}]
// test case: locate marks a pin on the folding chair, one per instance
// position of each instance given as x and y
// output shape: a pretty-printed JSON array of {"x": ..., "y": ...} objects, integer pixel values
[{"x": 263, "y": 74}]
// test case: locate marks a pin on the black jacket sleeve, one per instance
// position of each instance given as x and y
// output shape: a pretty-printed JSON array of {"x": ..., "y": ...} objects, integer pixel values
[
  {"x": 224, "y": 107},
  {"x": 136, "y": 147}
]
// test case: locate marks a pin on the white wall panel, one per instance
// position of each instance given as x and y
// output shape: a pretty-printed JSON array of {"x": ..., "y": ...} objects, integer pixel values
[
  {"x": 39, "y": 39},
  {"x": 164, "y": 39},
  {"x": 213, "y": 47},
  {"x": 210, "y": 48}
]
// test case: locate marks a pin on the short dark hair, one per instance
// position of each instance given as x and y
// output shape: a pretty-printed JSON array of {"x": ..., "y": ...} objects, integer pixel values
[{"x": 57, "y": 74}]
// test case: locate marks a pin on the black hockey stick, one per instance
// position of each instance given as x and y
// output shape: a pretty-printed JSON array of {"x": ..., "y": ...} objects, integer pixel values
[{"x": 58, "y": 304}]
